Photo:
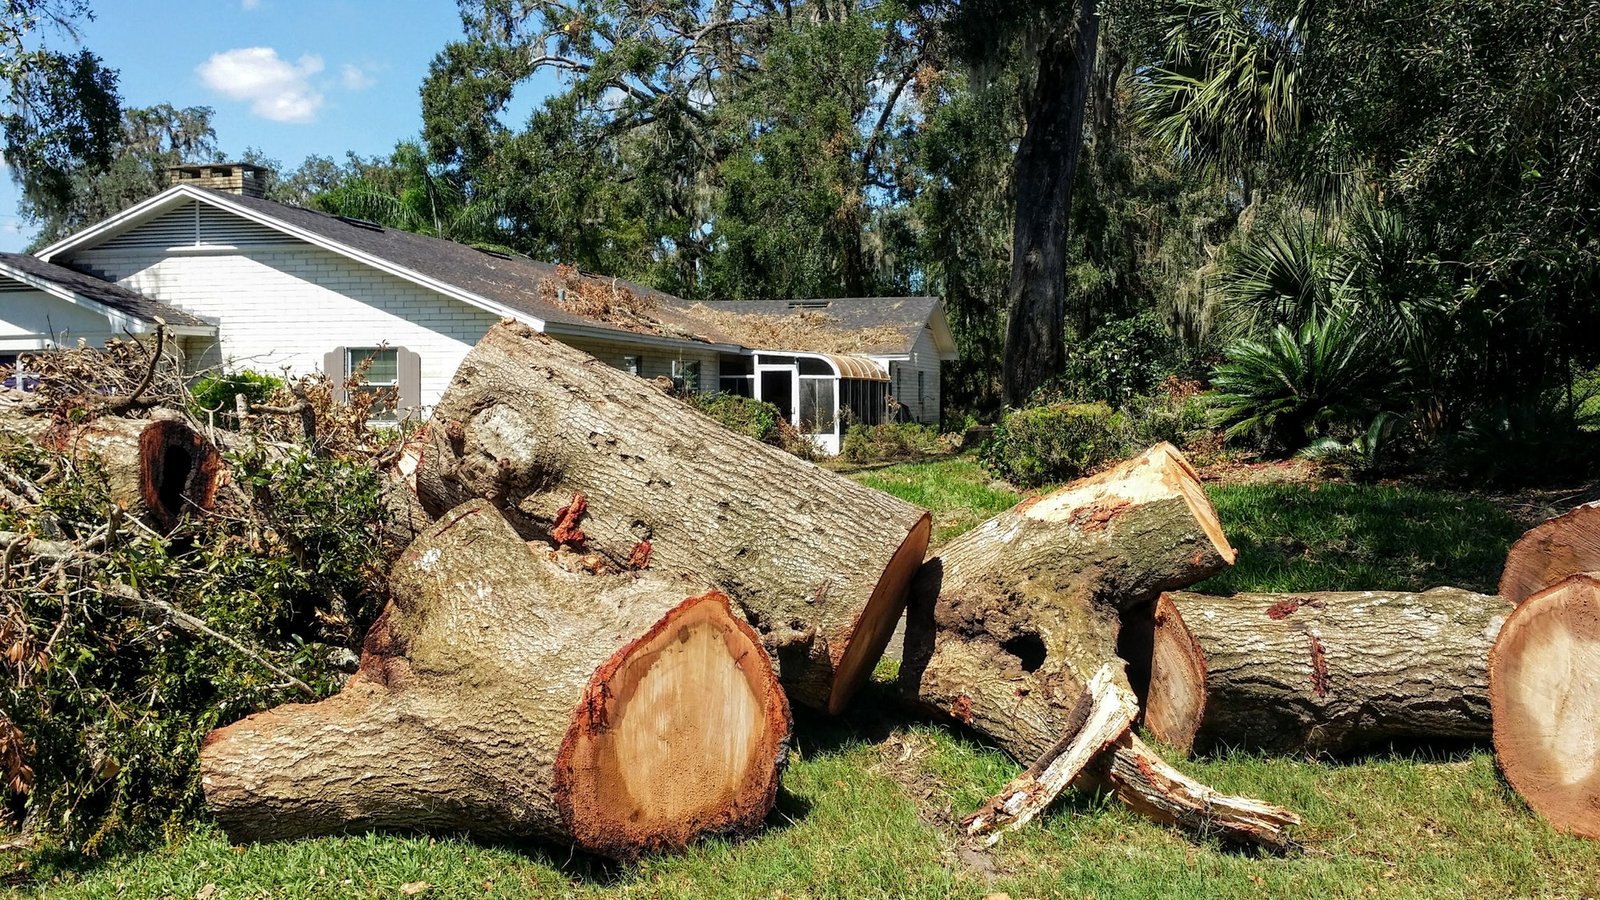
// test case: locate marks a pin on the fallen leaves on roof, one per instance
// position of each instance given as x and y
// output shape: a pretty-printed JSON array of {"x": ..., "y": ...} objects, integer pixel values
[{"x": 804, "y": 331}]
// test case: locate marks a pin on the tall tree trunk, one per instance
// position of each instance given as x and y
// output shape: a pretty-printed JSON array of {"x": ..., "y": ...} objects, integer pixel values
[{"x": 1047, "y": 163}]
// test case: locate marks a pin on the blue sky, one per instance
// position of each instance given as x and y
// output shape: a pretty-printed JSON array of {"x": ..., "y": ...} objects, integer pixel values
[{"x": 289, "y": 77}]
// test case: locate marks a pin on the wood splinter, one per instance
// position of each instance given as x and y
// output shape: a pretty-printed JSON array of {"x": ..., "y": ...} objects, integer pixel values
[{"x": 1103, "y": 714}]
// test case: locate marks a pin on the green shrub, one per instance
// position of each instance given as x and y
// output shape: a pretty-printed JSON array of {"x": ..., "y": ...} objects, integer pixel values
[
  {"x": 1120, "y": 360},
  {"x": 1177, "y": 412},
  {"x": 1044, "y": 444},
  {"x": 892, "y": 442},
  {"x": 749, "y": 417},
  {"x": 213, "y": 394},
  {"x": 1329, "y": 375}
]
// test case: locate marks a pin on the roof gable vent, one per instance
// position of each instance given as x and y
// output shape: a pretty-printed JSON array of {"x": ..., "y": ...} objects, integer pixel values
[{"x": 810, "y": 304}]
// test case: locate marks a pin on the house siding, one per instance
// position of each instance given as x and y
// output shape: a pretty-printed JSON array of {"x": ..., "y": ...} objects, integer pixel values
[
  {"x": 284, "y": 307},
  {"x": 924, "y": 358},
  {"x": 35, "y": 320}
]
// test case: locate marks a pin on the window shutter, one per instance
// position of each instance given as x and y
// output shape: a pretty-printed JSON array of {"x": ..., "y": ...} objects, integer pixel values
[
  {"x": 333, "y": 366},
  {"x": 409, "y": 365}
]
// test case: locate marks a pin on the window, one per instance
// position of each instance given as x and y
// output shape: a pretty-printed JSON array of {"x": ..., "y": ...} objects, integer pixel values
[
  {"x": 378, "y": 369},
  {"x": 686, "y": 375},
  {"x": 922, "y": 402},
  {"x": 738, "y": 385},
  {"x": 817, "y": 410},
  {"x": 633, "y": 365}
]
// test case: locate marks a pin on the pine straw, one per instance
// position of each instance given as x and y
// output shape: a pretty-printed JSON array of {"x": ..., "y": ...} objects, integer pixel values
[
  {"x": 806, "y": 331},
  {"x": 598, "y": 299}
]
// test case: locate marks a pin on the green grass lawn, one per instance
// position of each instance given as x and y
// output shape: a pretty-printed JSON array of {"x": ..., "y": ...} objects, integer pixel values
[{"x": 869, "y": 799}]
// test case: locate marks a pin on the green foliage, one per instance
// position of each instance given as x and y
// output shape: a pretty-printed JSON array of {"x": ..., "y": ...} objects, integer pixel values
[
  {"x": 1298, "y": 384},
  {"x": 1058, "y": 442},
  {"x": 213, "y": 394},
  {"x": 747, "y": 416},
  {"x": 1550, "y": 437},
  {"x": 891, "y": 442},
  {"x": 115, "y": 705},
  {"x": 1121, "y": 359}
]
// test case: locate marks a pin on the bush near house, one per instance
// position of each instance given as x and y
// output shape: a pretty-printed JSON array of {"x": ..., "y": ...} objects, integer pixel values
[
  {"x": 747, "y": 416},
  {"x": 213, "y": 394},
  {"x": 1057, "y": 442},
  {"x": 893, "y": 442}
]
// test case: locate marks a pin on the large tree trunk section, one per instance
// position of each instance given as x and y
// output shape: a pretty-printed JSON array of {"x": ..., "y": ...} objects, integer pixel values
[
  {"x": 1046, "y": 165},
  {"x": 820, "y": 564},
  {"x": 158, "y": 469},
  {"x": 1028, "y": 604},
  {"x": 1321, "y": 673},
  {"x": 503, "y": 695},
  {"x": 1544, "y": 685},
  {"x": 1552, "y": 551},
  {"x": 1013, "y": 621}
]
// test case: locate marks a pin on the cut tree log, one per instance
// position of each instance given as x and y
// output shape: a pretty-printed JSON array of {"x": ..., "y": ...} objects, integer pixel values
[
  {"x": 820, "y": 565},
  {"x": 1013, "y": 619},
  {"x": 1544, "y": 685},
  {"x": 1321, "y": 673},
  {"x": 157, "y": 468},
  {"x": 502, "y": 695},
  {"x": 1552, "y": 551}
]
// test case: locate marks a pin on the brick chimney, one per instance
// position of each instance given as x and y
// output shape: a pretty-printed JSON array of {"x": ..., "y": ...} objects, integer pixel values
[{"x": 233, "y": 178}]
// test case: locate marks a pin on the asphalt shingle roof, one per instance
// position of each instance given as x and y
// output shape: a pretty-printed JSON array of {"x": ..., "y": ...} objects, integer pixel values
[{"x": 104, "y": 292}]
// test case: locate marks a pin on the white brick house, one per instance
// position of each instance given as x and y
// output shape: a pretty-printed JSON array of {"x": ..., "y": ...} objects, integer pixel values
[{"x": 273, "y": 287}]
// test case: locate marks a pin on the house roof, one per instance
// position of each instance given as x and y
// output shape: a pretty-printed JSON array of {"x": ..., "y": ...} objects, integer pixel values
[
  {"x": 103, "y": 296},
  {"x": 555, "y": 298},
  {"x": 859, "y": 326}
]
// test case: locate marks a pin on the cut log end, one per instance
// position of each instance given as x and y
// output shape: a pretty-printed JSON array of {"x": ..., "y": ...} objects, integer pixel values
[
  {"x": 1551, "y": 551},
  {"x": 1544, "y": 688},
  {"x": 676, "y": 736},
  {"x": 1182, "y": 478},
  {"x": 1177, "y": 696},
  {"x": 178, "y": 470},
  {"x": 870, "y": 635}
]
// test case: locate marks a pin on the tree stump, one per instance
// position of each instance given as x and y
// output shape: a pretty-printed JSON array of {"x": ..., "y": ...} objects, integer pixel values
[
  {"x": 503, "y": 695},
  {"x": 1552, "y": 551},
  {"x": 1321, "y": 673},
  {"x": 1544, "y": 686},
  {"x": 820, "y": 565}
]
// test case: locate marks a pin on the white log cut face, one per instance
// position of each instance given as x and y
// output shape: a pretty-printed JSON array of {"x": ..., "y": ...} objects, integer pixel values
[
  {"x": 1544, "y": 685},
  {"x": 501, "y": 694}
]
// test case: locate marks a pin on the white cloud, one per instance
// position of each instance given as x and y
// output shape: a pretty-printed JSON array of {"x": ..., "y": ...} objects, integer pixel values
[
  {"x": 355, "y": 78},
  {"x": 275, "y": 88}
]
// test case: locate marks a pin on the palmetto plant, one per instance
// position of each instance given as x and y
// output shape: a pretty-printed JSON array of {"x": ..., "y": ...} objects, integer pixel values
[{"x": 1297, "y": 383}]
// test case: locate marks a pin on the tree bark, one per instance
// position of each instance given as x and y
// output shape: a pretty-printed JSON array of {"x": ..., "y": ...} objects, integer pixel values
[
  {"x": 819, "y": 564},
  {"x": 157, "y": 469},
  {"x": 1544, "y": 687},
  {"x": 1012, "y": 621},
  {"x": 1551, "y": 552},
  {"x": 1013, "y": 617},
  {"x": 1047, "y": 163},
  {"x": 1321, "y": 673},
  {"x": 503, "y": 695}
]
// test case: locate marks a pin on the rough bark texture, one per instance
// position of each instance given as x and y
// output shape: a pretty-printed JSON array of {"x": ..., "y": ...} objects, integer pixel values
[
  {"x": 1155, "y": 789},
  {"x": 1047, "y": 163},
  {"x": 1321, "y": 673},
  {"x": 1028, "y": 604},
  {"x": 1544, "y": 686},
  {"x": 1014, "y": 618},
  {"x": 158, "y": 468},
  {"x": 502, "y": 695},
  {"x": 1552, "y": 551},
  {"x": 820, "y": 565}
]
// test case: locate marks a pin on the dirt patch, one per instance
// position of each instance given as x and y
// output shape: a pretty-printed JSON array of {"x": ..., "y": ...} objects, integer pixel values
[{"x": 901, "y": 759}]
